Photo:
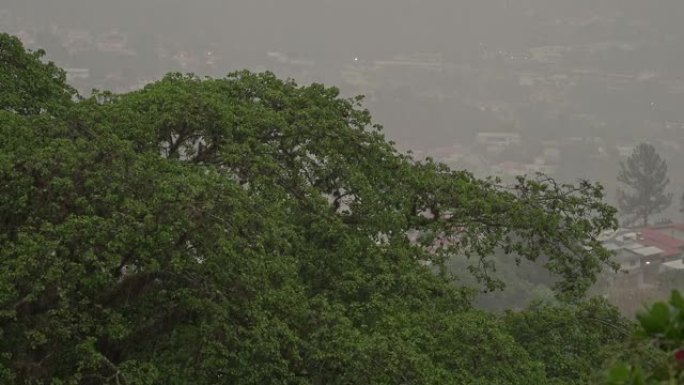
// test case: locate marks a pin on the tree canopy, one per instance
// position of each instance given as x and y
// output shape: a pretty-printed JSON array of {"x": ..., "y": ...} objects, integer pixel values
[
  {"x": 27, "y": 84},
  {"x": 250, "y": 230}
]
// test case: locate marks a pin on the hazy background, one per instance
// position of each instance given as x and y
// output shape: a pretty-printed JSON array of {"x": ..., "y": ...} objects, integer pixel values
[{"x": 572, "y": 84}]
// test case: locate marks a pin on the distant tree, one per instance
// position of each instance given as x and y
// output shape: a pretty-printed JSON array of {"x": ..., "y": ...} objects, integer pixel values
[{"x": 645, "y": 173}]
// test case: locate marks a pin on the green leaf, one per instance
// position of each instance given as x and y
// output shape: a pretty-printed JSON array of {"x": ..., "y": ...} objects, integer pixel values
[
  {"x": 677, "y": 300},
  {"x": 656, "y": 319},
  {"x": 619, "y": 374}
]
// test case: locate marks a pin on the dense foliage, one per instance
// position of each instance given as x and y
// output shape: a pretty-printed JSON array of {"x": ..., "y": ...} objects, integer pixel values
[
  {"x": 30, "y": 86},
  {"x": 660, "y": 342},
  {"x": 571, "y": 340},
  {"x": 248, "y": 230}
]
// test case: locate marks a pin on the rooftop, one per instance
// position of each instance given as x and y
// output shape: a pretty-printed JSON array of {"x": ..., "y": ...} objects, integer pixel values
[
  {"x": 648, "y": 251},
  {"x": 674, "y": 265},
  {"x": 668, "y": 238}
]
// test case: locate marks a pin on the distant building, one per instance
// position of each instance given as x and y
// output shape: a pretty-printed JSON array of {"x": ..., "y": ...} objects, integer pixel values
[
  {"x": 497, "y": 141},
  {"x": 625, "y": 151},
  {"x": 509, "y": 168},
  {"x": 113, "y": 41},
  {"x": 77, "y": 40},
  {"x": 669, "y": 238},
  {"x": 677, "y": 265},
  {"x": 647, "y": 252},
  {"x": 421, "y": 61},
  {"x": 186, "y": 60},
  {"x": 672, "y": 125},
  {"x": 77, "y": 73},
  {"x": 548, "y": 54},
  {"x": 286, "y": 59},
  {"x": 540, "y": 166}
]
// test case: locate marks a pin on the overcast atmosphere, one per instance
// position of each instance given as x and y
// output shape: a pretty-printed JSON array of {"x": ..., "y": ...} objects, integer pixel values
[
  {"x": 572, "y": 90},
  {"x": 575, "y": 80}
]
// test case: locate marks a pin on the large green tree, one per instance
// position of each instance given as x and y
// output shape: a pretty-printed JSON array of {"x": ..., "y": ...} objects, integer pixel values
[
  {"x": 248, "y": 230},
  {"x": 28, "y": 85},
  {"x": 645, "y": 174}
]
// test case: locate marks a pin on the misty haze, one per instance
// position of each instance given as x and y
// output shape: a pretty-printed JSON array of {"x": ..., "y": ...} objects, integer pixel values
[
  {"x": 581, "y": 82},
  {"x": 529, "y": 180}
]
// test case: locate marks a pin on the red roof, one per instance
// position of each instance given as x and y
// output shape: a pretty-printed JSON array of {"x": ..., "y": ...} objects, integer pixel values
[{"x": 658, "y": 237}]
